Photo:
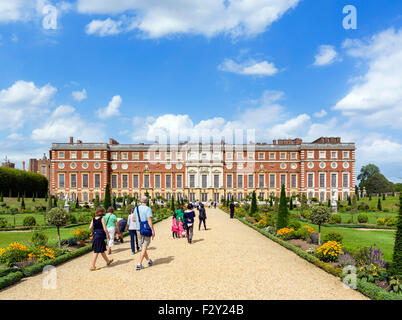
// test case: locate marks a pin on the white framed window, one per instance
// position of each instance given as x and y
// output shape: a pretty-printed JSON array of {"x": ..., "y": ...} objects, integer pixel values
[
  {"x": 97, "y": 154},
  {"x": 192, "y": 180},
  {"x": 168, "y": 181},
  {"x": 322, "y": 179},
  {"x": 146, "y": 156},
  {"x": 229, "y": 156},
  {"x": 146, "y": 181},
  {"x": 216, "y": 180},
  {"x": 272, "y": 181},
  {"x": 272, "y": 156},
  {"x": 229, "y": 181},
  {"x": 61, "y": 180},
  {"x": 294, "y": 155},
  {"x": 168, "y": 156},
  {"x": 124, "y": 155},
  {"x": 73, "y": 154},
  {"x": 114, "y": 181},
  {"x": 310, "y": 180},
  {"x": 250, "y": 155},
  {"x": 283, "y": 155},
  {"x": 157, "y": 181},
  {"x": 283, "y": 180},
  {"x": 345, "y": 180},
  {"x": 240, "y": 155},
  {"x": 178, "y": 155},
  {"x": 261, "y": 155},
  {"x": 293, "y": 181},
  {"x": 114, "y": 155},
  {"x": 73, "y": 180},
  {"x": 97, "y": 180},
  {"x": 157, "y": 156},
  {"x": 203, "y": 156},
  {"x": 310, "y": 154},
  {"x": 261, "y": 181},
  {"x": 124, "y": 181},
  {"x": 204, "y": 181},
  {"x": 136, "y": 181},
  {"x": 85, "y": 180},
  {"x": 323, "y": 154},
  {"x": 334, "y": 182},
  {"x": 334, "y": 154},
  {"x": 60, "y": 154},
  {"x": 250, "y": 181},
  {"x": 136, "y": 155},
  {"x": 345, "y": 154},
  {"x": 240, "y": 181},
  {"x": 179, "y": 181},
  {"x": 85, "y": 154}
]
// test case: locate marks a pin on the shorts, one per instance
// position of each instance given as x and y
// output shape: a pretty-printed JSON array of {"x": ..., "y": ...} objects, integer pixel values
[
  {"x": 143, "y": 241},
  {"x": 111, "y": 231}
]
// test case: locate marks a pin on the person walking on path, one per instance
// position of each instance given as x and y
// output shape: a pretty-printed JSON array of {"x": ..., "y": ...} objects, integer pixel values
[
  {"x": 112, "y": 226},
  {"x": 132, "y": 229},
  {"x": 215, "y": 205},
  {"x": 202, "y": 216},
  {"x": 232, "y": 210},
  {"x": 175, "y": 227},
  {"x": 179, "y": 213},
  {"x": 189, "y": 221},
  {"x": 143, "y": 213},
  {"x": 100, "y": 232},
  {"x": 122, "y": 223},
  {"x": 182, "y": 232}
]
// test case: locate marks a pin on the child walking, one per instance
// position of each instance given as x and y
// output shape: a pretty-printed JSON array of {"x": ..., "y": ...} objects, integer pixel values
[
  {"x": 182, "y": 232},
  {"x": 175, "y": 227}
]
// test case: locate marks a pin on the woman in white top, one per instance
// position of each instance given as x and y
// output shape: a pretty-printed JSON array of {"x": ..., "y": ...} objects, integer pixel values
[{"x": 132, "y": 229}]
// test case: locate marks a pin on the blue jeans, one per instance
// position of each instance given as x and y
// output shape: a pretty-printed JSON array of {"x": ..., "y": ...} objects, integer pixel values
[{"x": 133, "y": 234}]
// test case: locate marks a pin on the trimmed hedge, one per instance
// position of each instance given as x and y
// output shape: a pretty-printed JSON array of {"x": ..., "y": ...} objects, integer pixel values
[
  {"x": 22, "y": 182},
  {"x": 369, "y": 289},
  {"x": 10, "y": 279},
  {"x": 11, "y": 276}
]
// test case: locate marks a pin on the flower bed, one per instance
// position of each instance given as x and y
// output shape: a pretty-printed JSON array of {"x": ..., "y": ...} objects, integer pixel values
[
  {"x": 44, "y": 256},
  {"x": 331, "y": 258}
]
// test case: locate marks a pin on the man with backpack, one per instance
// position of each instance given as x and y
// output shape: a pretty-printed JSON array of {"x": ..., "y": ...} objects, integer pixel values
[{"x": 142, "y": 216}]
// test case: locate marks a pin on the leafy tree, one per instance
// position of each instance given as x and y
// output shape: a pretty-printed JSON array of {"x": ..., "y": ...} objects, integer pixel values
[
  {"x": 320, "y": 215},
  {"x": 107, "y": 201},
  {"x": 383, "y": 196},
  {"x": 303, "y": 204},
  {"x": 377, "y": 183},
  {"x": 57, "y": 217},
  {"x": 397, "y": 255},
  {"x": 18, "y": 197},
  {"x": 367, "y": 171},
  {"x": 253, "y": 207},
  {"x": 283, "y": 213},
  {"x": 77, "y": 202},
  {"x": 379, "y": 206}
]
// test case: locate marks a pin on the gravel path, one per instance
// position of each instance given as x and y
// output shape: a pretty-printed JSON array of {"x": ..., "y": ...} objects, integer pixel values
[{"x": 227, "y": 261}]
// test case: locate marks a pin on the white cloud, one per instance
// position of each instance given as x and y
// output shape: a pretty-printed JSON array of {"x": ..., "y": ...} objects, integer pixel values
[
  {"x": 65, "y": 122},
  {"x": 381, "y": 150},
  {"x": 112, "y": 109},
  {"x": 23, "y": 101},
  {"x": 376, "y": 97},
  {"x": 320, "y": 114},
  {"x": 326, "y": 55},
  {"x": 251, "y": 67},
  {"x": 104, "y": 27},
  {"x": 15, "y": 136},
  {"x": 79, "y": 95},
  {"x": 154, "y": 19}
]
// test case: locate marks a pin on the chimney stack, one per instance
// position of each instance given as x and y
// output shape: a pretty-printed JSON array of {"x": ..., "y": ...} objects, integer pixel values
[
  {"x": 23, "y": 165},
  {"x": 71, "y": 140}
]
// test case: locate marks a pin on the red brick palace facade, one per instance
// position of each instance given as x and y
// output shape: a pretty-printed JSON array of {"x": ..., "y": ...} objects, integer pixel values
[{"x": 207, "y": 171}]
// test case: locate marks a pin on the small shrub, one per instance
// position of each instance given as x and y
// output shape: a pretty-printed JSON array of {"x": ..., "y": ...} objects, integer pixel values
[
  {"x": 306, "y": 214},
  {"x": 381, "y": 221},
  {"x": 313, "y": 238},
  {"x": 3, "y": 223},
  {"x": 329, "y": 251},
  {"x": 385, "y": 210},
  {"x": 81, "y": 234},
  {"x": 371, "y": 273},
  {"x": 333, "y": 236},
  {"x": 73, "y": 219},
  {"x": 302, "y": 233},
  {"x": 395, "y": 285},
  {"x": 29, "y": 221},
  {"x": 294, "y": 224},
  {"x": 285, "y": 233},
  {"x": 391, "y": 222},
  {"x": 346, "y": 259},
  {"x": 335, "y": 218},
  {"x": 39, "y": 239},
  {"x": 362, "y": 218},
  {"x": 14, "y": 253}
]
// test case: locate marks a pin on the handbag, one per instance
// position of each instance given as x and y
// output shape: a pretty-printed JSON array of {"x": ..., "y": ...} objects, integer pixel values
[{"x": 145, "y": 229}]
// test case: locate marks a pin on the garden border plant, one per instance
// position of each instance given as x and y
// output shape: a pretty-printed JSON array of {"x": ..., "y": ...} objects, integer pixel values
[
  {"x": 11, "y": 276},
  {"x": 368, "y": 289}
]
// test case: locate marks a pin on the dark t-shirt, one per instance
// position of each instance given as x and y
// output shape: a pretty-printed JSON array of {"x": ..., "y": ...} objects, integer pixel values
[
  {"x": 202, "y": 214},
  {"x": 189, "y": 217},
  {"x": 232, "y": 208}
]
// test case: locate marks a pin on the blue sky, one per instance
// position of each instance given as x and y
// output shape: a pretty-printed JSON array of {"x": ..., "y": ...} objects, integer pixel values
[{"x": 135, "y": 69}]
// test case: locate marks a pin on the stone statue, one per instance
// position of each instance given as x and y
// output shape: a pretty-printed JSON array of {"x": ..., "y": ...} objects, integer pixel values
[
  {"x": 67, "y": 204},
  {"x": 334, "y": 205}
]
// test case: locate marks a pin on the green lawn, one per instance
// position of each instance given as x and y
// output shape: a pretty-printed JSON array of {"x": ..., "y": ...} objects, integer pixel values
[
  {"x": 355, "y": 239},
  {"x": 23, "y": 237},
  {"x": 390, "y": 203},
  {"x": 13, "y": 202},
  {"x": 373, "y": 216},
  {"x": 19, "y": 218}
]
